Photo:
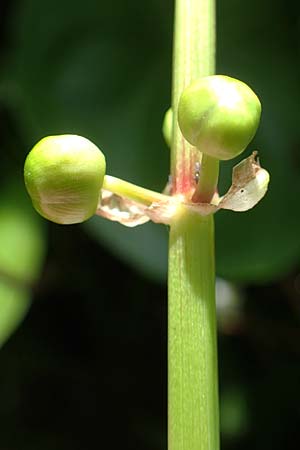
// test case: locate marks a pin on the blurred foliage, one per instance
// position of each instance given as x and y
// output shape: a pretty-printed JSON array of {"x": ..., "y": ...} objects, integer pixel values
[
  {"x": 103, "y": 83},
  {"x": 96, "y": 337},
  {"x": 263, "y": 49},
  {"x": 100, "y": 71},
  {"x": 22, "y": 244}
]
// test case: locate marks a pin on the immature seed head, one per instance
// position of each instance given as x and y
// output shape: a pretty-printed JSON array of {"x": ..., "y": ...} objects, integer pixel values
[
  {"x": 63, "y": 176},
  {"x": 219, "y": 115}
]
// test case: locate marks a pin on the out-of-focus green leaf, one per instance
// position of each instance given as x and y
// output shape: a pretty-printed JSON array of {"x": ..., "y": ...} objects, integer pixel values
[
  {"x": 261, "y": 49},
  {"x": 100, "y": 70},
  {"x": 22, "y": 246},
  {"x": 92, "y": 70},
  {"x": 14, "y": 304},
  {"x": 135, "y": 244},
  {"x": 21, "y": 256},
  {"x": 234, "y": 412}
]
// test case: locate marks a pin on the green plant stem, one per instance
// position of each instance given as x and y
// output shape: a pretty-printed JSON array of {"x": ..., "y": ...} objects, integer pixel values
[
  {"x": 132, "y": 191},
  {"x": 193, "y": 57},
  {"x": 193, "y": 416},
  {"x": 193, "y": 388}
]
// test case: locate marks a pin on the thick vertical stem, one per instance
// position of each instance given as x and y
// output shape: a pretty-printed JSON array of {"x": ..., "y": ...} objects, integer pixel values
[
  {"x": 193, "y": 57},
  {"x": 192, "y": 371},
  {"x": 193, "y": 417}
]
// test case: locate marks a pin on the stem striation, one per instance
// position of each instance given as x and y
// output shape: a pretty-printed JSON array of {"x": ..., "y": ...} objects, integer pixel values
[
  {"x": 193, "y": 415},
  {"x": 193, "y": 57},
  {"x": 193, "y": 387}
]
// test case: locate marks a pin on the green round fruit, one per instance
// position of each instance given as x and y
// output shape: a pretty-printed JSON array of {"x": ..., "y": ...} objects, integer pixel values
[
  {"x": 168, "y": 126},
  {"x": 219, "y": 115},
  {"x": 64, "y": 176}
]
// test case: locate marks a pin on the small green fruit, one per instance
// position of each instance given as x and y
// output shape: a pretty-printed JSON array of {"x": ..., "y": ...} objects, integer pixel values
[
  {"x": 63, "y": 176},
  {"x": 219, "y": 115},
  {"x": 168, "y": 127}
]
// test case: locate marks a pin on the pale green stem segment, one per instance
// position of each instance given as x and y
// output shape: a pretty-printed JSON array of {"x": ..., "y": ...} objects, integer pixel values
[
  {"x": 192, "y": 370},
  {"x": 208, "y": 180},
  {"x": 193, "y": 415},
  {"x": 193, "y": 57},
  {"x": 132, "y": 192}
]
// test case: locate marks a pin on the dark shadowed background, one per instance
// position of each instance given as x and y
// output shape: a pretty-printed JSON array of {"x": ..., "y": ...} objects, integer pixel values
[{"x": 86, "y": 368}]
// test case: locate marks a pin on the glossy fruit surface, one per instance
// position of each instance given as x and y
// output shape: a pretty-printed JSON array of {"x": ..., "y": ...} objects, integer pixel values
[
  {"x": 219, "y": 115},
  {"x": 167, "y": 127},
  {"x": 63, "y": 176}
]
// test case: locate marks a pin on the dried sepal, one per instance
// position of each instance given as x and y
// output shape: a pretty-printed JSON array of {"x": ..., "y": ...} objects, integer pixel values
[
  {"x": 118, "y": 209},
  {"x": 131, "y": 213},
  {"x": 249, "y": 185}
]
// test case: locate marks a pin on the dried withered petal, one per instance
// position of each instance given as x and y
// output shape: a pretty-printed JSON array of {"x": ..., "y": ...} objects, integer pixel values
[{"x": 249, "y": 185}]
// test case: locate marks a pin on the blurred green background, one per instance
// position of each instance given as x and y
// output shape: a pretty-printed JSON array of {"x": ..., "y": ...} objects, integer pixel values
[{"x": 86, "y": 369}]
